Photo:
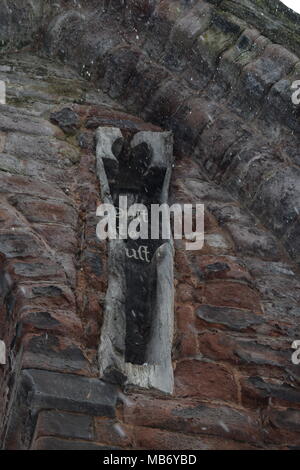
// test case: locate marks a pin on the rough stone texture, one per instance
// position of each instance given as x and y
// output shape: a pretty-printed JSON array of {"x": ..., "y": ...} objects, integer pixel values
[
  {"x": 218, "y": 74},
  {"x": 2, "y": 353},
  {"x": 138, "y": 328},
  {"x": 241, "y": 73}
]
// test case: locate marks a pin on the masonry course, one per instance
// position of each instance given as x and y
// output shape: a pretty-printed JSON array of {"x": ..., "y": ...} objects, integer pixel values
[{"x": 217, "y": 75}]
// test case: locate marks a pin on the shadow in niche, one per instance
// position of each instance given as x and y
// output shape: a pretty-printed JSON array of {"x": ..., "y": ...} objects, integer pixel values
[
  {"x": 133, "y": 176},
  {"x": 137, "y": 333}
]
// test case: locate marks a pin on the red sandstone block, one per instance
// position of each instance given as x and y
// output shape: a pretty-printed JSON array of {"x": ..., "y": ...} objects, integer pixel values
[
  {"x": 193, "y": 417},
  {"x": 199, "y": 379},
  {"x": 234, "y": 271},
  {"x": 42, "y": 295},
  {"x": 63, "y": 323},
  {"x": 21, "y": 243},
  {"x": 65, "y": 425},
  {"x": 188, "y": 345},
  {"x": 113, "y": 433},
  {"x": 232, "y": 294},
  {"x": 217, "y": 346},
  {"x": 280, "y": 62}
]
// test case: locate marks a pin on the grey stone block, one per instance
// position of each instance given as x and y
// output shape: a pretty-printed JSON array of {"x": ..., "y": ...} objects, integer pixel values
[
  {"x": 233, "y": 318},
  {"x": 53, "y": 443},
  {"x": 39, "y": 389},
  {"x": 66, "y": 425}
]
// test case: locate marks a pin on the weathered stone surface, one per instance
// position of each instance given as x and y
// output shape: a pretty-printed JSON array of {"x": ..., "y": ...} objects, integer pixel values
[
  {"x": 53, "y": 443},
  {"x": 112, "y": 432},
  {"x": 70, "y": 392},
  {"x": 279, "y": 288},
  {"x": 249, "y": 240},
  {"x": 202, "y": 192},
  {"x": 20, "y": 244},
  {"x": 185, "y": 33},
  {"x": 259, "y": 268},
  {"x": 58, "y": 236},
  {"x": 66, "y": 119},
  {"x": 219, "y": 75},
  {"x": 54, "y": 353},
  {"x": 292, "y": 241},
  {"x": 278, "y": 199},
  {"x": 37, "y": 210},
  {"x": 243, "y": 350},
  {"x": 258, "y": 76},
  {"x": 52, "y": 321},
  {"x": 233, "y": 318},
  {"x": 287, "y": 419},
  {"x": 205, "y": 380},
  {"x": 46, "y": 149},
  {"x": 258, "y": 390},
  {"x": 65, "y": 425},
  {"x": 260, "y": 61},
  {"x": 192, "y": 418},
  {"x": 19, "y": 22},
  {"x": 40, "y": 389},
  {"x": 136, "y": 338},
  {"x": 222, "y": 267},
  {"x": 232, "y": 294},
  {"x": 30, "y": 168},
  {"x": 12, "y": 184},
  {"x": 147, "y": 438},
  {"x": 2, "y": 353},
  {"x": 26, "y": 125}
]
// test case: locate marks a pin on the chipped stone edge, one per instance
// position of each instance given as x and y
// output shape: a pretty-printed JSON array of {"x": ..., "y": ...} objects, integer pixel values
[{"x": 2, "y": 353}]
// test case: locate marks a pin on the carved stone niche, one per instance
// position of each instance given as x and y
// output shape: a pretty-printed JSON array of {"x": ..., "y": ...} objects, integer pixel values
[{"x": 137, "y": 333}]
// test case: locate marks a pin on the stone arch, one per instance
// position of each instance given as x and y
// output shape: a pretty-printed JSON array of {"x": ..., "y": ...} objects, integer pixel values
[{"x": 183, "y": 65}]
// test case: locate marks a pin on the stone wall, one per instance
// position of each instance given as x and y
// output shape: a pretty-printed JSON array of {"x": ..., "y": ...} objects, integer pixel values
[
  {"x": 223, "y": 62},
  {"x": 212, "y": 73}
]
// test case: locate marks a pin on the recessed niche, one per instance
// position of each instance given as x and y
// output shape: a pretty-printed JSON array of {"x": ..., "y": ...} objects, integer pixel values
[{"x": 136, "y": 340}]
